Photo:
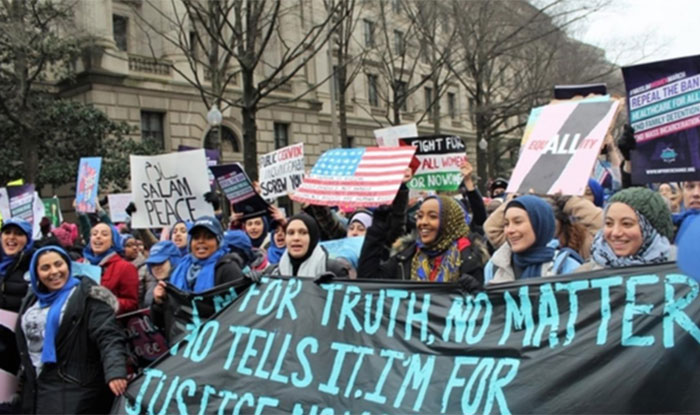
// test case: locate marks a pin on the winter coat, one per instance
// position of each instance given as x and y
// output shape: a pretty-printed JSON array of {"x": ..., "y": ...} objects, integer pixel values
[
  {"x": 90, "y": 352},
  {"x": 500, "y": 269},
  {"x": 376, "y": 263},
  {"x": 121, "y": 278},
  {"x": 586, "y": 213},
  {"x": 13, "y": 286}
]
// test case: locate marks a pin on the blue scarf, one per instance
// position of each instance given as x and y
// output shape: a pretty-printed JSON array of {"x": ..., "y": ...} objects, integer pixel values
[
  {"x": 274, "y": 252},
  {"x": 679, "y": 219},
  {"x": 6, "y": 261},
  {"x": 116, "y": 247},
  {"x": 196, "y": 275},
  {"x": 54, "y": 300},
  {"x": 541, "y": 218}
]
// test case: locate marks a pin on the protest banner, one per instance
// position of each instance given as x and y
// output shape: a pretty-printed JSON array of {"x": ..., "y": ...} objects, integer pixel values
[
  {"x": 440, "y": 158},
  {"x": 664, "y": 110},
  {"x": 281, "y": 171},
  {"x": 353, "y": 177},
  {"x": 389, "y": 137},
  {"x": 10, "y": 362},
  {"x": 4, "y": 203},
  {"x": 145, "y": 343},
  {"x": 88, "y": 184},
  {"x": 562, "y": 148},
  {"x": 239, "y": 190},
  {"x": 168, "y": 188},
  {"x": 118, "y": 203},
  {"x": 544, "y": 345},
  {"x": 21, "y": 201},
  {"x": 52, "y": 210}
]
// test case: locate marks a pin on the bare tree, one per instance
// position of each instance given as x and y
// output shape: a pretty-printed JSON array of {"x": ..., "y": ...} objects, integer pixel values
[{"x": 265, "y": 43}]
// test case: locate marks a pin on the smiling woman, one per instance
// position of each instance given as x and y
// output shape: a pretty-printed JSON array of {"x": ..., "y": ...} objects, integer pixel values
[{"x": 15, "y": 251}]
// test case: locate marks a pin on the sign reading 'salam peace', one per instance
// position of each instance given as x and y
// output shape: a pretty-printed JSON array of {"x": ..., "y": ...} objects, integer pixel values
[{"x": 615, "y": 341}]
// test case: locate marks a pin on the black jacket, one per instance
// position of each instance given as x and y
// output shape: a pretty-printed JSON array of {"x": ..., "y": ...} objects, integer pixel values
[
  {"x": 90, "y": 352},
  {"x": 13, "y": 287}
]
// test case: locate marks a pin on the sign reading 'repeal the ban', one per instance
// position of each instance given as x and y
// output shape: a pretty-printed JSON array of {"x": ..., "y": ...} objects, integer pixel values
[
  {"x": 664, "y": 110},
  {"x": 622, "y": 341},
  {"x": 168, "y": 188},
  {"x": 562, "y": 147}
]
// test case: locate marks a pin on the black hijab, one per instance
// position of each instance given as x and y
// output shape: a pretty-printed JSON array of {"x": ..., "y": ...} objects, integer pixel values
[{"x": 314, "y": 233}]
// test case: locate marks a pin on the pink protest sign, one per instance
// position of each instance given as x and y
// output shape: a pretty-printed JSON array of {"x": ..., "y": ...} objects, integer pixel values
[{"x": 562, "y": 148}]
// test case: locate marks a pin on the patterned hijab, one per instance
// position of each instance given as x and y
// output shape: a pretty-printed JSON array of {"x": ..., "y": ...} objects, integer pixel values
[{"x": 439, "y": 261}]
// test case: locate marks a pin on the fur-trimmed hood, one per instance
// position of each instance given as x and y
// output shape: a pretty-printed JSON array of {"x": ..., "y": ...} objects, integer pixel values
[{"x": 101, "y": 293}]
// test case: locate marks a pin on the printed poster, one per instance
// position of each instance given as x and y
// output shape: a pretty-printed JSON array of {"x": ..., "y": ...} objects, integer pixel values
[
  {"x": 440, "y": 159},
  {"x": 22, "y": 202},
  {"x": 52, "y": 210},
  {"x": 168, "y": 188},
  {"x": 281, "y": 171},
  {"x": 239, "y": 190},
  {"x": 663, "y": 100},
  {"x": 88, "y": 184},
  {"x": 563, "y": 147},
  {"x": 118, "y": 203}
]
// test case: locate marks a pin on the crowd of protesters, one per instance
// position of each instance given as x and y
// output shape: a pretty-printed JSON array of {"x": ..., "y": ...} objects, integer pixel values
[{"x": 71, "y": 353}]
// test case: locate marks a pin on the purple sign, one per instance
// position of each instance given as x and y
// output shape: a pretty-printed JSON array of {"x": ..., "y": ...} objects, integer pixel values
[
  {"x": 21, "y": 202},
  {"x": 239, "y": 190},
  {"x": 664, "y": 109}
]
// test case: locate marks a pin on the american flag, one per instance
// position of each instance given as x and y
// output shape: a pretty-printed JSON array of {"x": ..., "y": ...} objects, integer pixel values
[{"x": 368, "y": 176}]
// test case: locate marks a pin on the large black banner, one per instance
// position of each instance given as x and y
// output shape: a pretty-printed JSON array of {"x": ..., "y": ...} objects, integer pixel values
[{"x": 622, "y": 341}]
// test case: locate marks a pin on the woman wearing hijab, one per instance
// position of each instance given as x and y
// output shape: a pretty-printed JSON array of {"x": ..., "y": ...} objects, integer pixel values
[
  {"x": 257, "y": 229},
  {"x": 72, "y": 349},
  {"x": 118, "y": 275},
  {"x": 529, "y": 251},
  {"x": 595, "y": 193},
  {"x": 16, "y": 250},
  {"x": 637, "y": 231},
  {"x": 304, "y": 256},
  {"x": 178, "y": 234},
  {"x": 359, "y": 222},
  {"x": 278, "y": 244},
  {"x": 443, "y": 252}
]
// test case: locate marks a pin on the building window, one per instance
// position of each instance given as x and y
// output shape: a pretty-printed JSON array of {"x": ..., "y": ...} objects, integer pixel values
[
  {"x": 227, "y": 137},
  {"x": 351, "y": 141},
  {"x": 120, "y": 26},
  {"x": 399, "y": 46},
  {"x": 369, "y": 33},
  {"x": 372, "y": 90},
  {"x": 281, "y": 135},
  {"x": 152, "y": 128},
  {"x": 452, "y": 105},
  {"x": 336, "y": 83},
  {"x": 428, "y": 93},
  {"x": 402, "y": 95}
]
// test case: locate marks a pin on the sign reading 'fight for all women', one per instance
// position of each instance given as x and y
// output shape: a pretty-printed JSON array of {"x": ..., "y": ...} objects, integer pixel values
[
  {"x": 606, "y": 342},
  {"x": 168, "y": 188}
]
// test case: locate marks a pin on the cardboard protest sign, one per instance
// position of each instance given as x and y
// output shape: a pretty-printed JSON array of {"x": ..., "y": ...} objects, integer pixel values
[
  {"x": 21, "y": 201},
  {"x": 368, "y": 176},
  {"x": 168, "y": 188},
  {"x": 537, "y": 346},
  {"x": 10, "y": 362},
  {"x": 52, "y": 210},
  {"x": 88, "y": 184},
  {"x": 145, "y": 343},
  {"x": 664, "y": 110},
  {"x": 239, "y": 190},
  {"x": 389, "y": 137},
  {"x": 440, "y": 158},
  {"x": 118, "y": 203},
  {"x": 281, "y": 171},
  {"x": 4, "y": 203},
  {"x": 563, "y": 147},
  {"x": 212, "y": 156}
]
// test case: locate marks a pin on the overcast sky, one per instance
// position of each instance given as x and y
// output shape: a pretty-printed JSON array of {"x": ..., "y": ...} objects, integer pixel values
[{"x": 636, "y": 31}]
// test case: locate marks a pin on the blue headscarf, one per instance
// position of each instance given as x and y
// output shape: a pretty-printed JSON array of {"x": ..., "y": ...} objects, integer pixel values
[
  {"x": 54, "y": 300},
  {"x": 116, "y": 247},
  {"x": 6, "y": 261},
  {"x": 240, "y": 242},
  {"x": 188, "y": 225},
  {"x": 541, "y": 218},
  {"x": 274, "y": 252},
  {"x": 598, "y": 192},
  {"x": 125, "y": 237},
  {"x": 197, "y": 275}
]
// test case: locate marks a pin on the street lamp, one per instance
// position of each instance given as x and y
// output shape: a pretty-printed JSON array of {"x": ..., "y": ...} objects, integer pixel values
[
  {"x": 483, "y": 145},
  {"x": 214, "y": 116}
]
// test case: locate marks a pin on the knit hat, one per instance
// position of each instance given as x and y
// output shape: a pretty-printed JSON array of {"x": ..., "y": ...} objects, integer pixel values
[{"x": 649, "y": 204}]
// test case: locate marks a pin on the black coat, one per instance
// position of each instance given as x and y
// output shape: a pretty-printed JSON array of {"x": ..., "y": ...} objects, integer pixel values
[
  {"x": 13, "y": 287},
  {"x": 90, "y": 352}
]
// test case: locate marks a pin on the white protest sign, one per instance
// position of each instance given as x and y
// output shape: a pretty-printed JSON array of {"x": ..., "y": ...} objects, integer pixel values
[
  {"x": 389, "y": 137},
  {"x": 4, "y": 203},
  {"x": 281, "y": 171},
  {"x": 118, "y": 203},
  {"x": 169, "y": 187}
]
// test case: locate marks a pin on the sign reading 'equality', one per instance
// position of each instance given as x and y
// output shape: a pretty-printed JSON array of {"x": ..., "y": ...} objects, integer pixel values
[{"x": 607, "y": 342}]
